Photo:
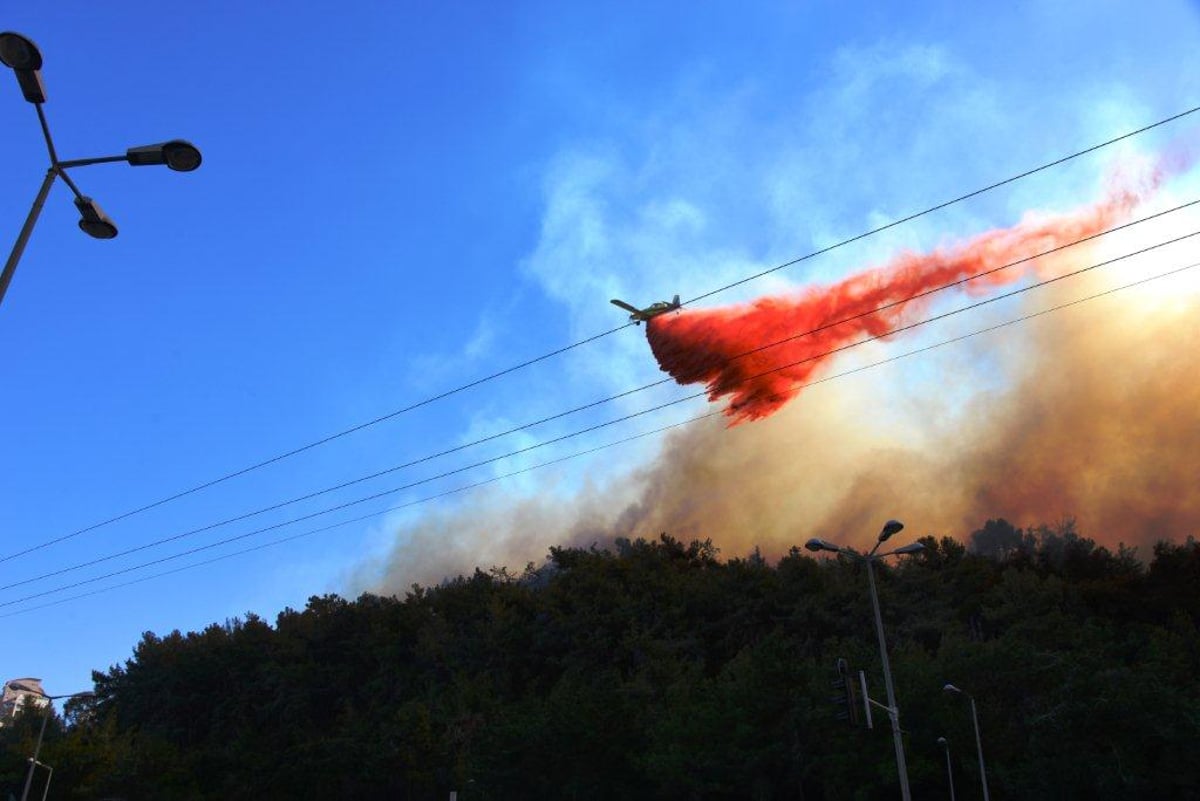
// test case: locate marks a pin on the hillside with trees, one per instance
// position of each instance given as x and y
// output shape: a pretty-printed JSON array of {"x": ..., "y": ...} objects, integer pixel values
[{"x": 660, "y": 670}]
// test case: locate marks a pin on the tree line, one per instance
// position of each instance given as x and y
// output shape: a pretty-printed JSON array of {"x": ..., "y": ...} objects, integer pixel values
[{"x": 656, "y": 669}]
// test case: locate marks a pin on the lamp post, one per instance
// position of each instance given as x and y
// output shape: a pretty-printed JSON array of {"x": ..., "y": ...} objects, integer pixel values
[
  {"x": 949, "y": 771},
  {"x": 49, "y": 776},
  {"x": 889, "y": 528},
  {"x": 37, "y": 749},
  {"x": 22, "y": 56},
  {"x": 950, "y": 688}
]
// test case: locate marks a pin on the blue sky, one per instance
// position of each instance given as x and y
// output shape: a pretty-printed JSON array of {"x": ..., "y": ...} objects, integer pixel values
[{"x": 397, "y": 199}]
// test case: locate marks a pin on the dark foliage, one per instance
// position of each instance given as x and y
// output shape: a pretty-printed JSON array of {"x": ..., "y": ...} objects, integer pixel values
[{"x": 656, "y": 670}]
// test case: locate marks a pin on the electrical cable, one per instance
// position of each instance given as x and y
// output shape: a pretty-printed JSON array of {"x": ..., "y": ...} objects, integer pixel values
[
  {"x": 946, "y": 204},
  {"x": 316, "y": 443},
  {"x": 395, "y": 468},
  {"x": 514, "y": 368},
  {"x": 623, "y": 441},
  {"x": 865, "y": 340}
]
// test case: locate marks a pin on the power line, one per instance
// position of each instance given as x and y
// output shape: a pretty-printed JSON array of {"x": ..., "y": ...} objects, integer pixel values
[
  {"x": 316, "y": 443},
  {"x": 520, "y": 366},
  {"x": 815, "y": 357},
  {"x": 947, "y": 203},
  {"x": 430, "y": 457},
  {"x": 530, "y": 468}
]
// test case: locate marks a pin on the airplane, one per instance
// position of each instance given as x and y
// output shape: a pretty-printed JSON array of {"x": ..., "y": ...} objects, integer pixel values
[{"x": 653, "y": 310}]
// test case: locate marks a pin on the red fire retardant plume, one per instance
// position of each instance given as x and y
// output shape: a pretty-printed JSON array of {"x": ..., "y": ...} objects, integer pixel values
[{"x": 717, "y": 347}]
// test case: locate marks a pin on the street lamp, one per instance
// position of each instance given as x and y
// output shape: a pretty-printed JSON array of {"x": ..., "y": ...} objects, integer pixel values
[
  {"x": 22, "y": 56},
  {"x": 49, "y": 776},
  {"x": 950, "y": 688},
  {"x": 889, "y": 528},
  {"x": 949, "y": 771},
  {"x": 37, "y": 749}
]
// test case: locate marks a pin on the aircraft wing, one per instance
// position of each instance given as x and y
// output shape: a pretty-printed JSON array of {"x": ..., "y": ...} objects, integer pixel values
[{"x": 625, "y": 306}]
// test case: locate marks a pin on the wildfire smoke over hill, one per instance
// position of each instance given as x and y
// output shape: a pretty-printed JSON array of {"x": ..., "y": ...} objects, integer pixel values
[{"x": 1089, "y": 412}]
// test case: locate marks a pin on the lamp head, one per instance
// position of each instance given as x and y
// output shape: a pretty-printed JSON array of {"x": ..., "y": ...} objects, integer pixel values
[
  {"x": 889, "y": 528},
  {"x": 942, "y": 742},
  {"x": 912, "y": 547},
  {"x": 23, "y": 686},
  {"x": 178, "y": 154},
  {"x": 816, "y": 544},
  {"x": 23, "y": 57},
  {"x": 95, "y": 223},
  {"x": 19, "y": 52},
  {"x": 950, "y": 688}
]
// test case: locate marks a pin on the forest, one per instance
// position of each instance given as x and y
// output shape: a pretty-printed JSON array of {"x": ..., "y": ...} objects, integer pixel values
[{"x": 659, "y": 669}]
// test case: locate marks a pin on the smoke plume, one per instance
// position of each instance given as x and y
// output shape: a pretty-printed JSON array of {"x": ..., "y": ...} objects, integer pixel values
[
  {"x": 1099, "y": 423},
  {"x": 1089, "y": 412}
]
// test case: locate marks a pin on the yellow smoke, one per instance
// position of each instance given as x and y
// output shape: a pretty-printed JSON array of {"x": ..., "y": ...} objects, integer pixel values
[{"x": 1093, "y": 412}]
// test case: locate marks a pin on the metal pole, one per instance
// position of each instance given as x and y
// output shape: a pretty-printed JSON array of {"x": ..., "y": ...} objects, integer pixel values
[
  {"x": 37, "y": 750},
  {"x": 949, "y": 770},
  {"x": 49, "y": 776},
  {"x": 979, "y": 747},
  {"x": 893, "y": 710},
  {"x": 10, "y": 266}
]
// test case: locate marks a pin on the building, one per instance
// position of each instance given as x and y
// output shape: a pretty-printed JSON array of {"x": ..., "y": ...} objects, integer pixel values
[{"x": 17, "y": 694}]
